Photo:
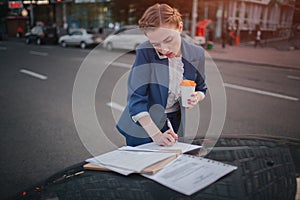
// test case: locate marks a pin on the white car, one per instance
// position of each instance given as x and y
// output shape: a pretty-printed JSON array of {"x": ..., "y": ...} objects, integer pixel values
[
  {"x": 188, "y": 38},
  {"x": 127, "y": 38},
  {"x": 80, "y": 37}
]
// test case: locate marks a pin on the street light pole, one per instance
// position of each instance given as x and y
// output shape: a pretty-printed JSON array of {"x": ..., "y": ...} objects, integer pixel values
[
  {"x": 31, "y": 14},
  {"x": 64, "y": 13},
  {"x": 194, "y": 18}
]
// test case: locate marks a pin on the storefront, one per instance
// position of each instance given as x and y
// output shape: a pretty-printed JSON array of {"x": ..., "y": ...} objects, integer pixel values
[
  {"x": 88, "y": 14},
  {"x": 274, "y": 17}
]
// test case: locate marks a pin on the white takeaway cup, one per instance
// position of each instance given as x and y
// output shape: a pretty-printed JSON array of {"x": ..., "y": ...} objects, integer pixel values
[{"x": 186, "y": 92}]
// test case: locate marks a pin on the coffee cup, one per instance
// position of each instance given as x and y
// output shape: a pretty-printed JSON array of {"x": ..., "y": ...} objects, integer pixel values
[{"x": 187, "y": 88}]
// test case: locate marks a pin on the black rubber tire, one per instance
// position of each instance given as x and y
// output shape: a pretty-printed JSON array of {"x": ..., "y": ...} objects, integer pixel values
[
  {"x": 109, "y": 46},
  {"x": 27, "y": 41},
  {"x": 83, "y": 45},
  {"x": 38, "y": 41},
  {"x": 265, "y": 171},
  {"x": 63, "y": 44}
]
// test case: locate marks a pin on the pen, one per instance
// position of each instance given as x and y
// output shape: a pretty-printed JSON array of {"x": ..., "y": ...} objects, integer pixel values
[{"x": 170, "y": 125}]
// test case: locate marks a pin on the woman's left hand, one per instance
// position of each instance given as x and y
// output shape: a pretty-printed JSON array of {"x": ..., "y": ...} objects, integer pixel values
[{"x": 194, "y": 99}]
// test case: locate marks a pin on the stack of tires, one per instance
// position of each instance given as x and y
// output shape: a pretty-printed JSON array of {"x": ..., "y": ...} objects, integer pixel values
[{"x": 265, "y": 172}]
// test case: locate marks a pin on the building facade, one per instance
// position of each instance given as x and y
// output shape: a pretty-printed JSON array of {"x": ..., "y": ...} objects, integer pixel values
[
  {"x": 275, "y": 17},
  {"x": 270, "y": 17}
]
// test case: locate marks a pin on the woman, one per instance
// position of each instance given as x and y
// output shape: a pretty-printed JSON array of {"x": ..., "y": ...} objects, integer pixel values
[{"x": 153, "y": 84}]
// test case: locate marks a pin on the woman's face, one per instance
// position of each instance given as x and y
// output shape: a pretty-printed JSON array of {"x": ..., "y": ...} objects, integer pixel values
[{"x": 166, "y": 40}]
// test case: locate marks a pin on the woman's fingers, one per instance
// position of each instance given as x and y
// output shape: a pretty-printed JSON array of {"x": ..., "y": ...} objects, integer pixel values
[
  {"x": 169, "y": 137},
  {"x": 174, "y": 135},
  {"x": 193, "y": 100}
]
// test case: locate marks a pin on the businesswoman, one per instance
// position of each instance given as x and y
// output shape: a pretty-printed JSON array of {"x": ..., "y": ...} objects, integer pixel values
[{"x": 153, "y": 84}]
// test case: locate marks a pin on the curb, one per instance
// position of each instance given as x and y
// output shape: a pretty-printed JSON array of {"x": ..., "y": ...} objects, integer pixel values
[
  {"x": 256, "y": 63},
  {"x": 265, "y": 41}
]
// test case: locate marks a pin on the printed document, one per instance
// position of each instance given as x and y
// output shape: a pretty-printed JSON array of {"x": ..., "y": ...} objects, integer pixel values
[{"x": 189, "y": 174}]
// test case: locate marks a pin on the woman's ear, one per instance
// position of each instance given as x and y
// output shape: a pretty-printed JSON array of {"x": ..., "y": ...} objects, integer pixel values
[{"x": 180, "y": 27}]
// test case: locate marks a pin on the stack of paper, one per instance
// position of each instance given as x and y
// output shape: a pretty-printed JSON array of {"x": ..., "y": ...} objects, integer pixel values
[
  {"x": 131, "y": 161},
  {"x": 148, "y": 158},
  {"x": 185, "y": 173}
]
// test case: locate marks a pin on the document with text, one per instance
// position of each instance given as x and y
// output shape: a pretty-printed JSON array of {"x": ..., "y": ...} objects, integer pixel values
[{"x": 189, "y": 174}]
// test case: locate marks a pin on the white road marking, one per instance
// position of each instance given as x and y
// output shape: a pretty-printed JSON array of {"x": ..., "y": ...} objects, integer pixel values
[
  {"x": 125, "y": 65},
  {"x": 119, "y": 64},
  {"x": 294, "y": 77},
  {"x": 3, "y": 48},
  {"x": 116, "y": 106},
  {"x": 38, "y": 53},
  {"x": 47, "y": 47},
  {"x": 33, "y": 74},
  {"x": 260, "y": 92}
]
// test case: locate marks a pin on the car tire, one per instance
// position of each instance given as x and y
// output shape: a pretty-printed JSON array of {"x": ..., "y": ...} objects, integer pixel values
[
  {"x": 38, "y": 41},
  {"x": 136, "y": 46},
  {"x": 83, "y": 45},
  {"x": 63, "y": 44},
  {"x": 109, "y": 46},
  {"x": 265, "y": 171},
  {"x": 27, "y": 41}
]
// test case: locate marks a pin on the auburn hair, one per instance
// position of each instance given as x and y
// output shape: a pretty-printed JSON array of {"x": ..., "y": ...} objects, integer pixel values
[{"x": 159, "y": 14}]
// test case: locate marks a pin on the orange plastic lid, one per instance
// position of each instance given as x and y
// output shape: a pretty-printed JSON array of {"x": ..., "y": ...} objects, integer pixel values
[{"x": 187, "y": 83}]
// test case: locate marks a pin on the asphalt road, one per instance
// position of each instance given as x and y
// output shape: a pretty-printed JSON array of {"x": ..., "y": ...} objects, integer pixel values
[{"x": 38, "y": 85}]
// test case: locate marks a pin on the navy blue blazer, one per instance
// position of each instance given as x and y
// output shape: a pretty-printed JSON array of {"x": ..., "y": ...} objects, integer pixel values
[{"x": 148, "y": 84}]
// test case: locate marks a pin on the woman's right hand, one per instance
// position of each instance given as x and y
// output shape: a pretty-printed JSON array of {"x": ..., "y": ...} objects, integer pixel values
[{"x": 167, "y": 138}]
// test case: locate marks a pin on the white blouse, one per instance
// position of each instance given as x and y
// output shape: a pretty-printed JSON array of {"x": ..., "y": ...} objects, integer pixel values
[{"x": 175, "y": 78}]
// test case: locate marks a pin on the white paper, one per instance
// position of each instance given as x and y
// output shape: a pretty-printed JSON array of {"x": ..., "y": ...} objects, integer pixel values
[
  {"x": 189, "y": 174},
  {"x": 129, "y": 148},
  {"x": 131, "y": 160},
  {"x": 184, "y": 147},
  {"x": 115, "y": 169}
]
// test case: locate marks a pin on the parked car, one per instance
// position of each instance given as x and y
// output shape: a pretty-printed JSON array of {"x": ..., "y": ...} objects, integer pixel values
[
  {"x": 42, "y": 35},
  {"x": 188, "y": 38},
  {"x": 127, "y": 38},
  {"x": 80, "y": 37}
]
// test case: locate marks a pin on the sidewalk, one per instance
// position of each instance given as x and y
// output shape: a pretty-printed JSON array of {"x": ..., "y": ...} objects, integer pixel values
[{"x": 259, "y": 56}]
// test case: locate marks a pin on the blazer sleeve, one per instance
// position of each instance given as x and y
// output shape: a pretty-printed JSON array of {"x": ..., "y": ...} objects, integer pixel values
[
  {"x": 200, "y": 79},
  {"x": 138, "y": 83}
]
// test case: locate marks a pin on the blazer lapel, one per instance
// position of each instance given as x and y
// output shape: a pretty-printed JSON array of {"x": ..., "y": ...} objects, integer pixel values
[{"x": 161, "y": 70}]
